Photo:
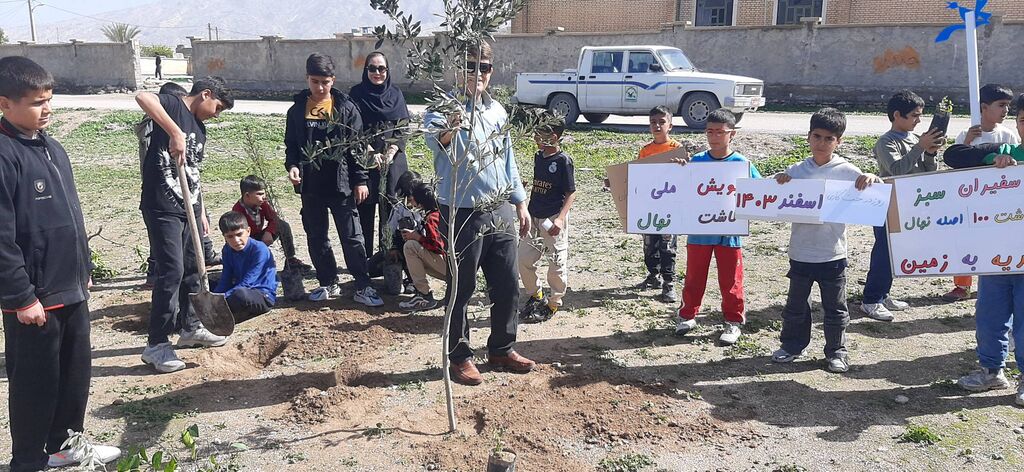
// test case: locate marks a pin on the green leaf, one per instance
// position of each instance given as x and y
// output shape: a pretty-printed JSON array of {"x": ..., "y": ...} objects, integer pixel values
[
  {"x": 171, "y": 466},
  {"x": 158, "y": 459},
  {"x": 239, "y": 446}
]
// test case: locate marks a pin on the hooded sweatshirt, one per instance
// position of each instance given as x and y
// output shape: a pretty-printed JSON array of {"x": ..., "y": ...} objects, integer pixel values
[
  {"x": 816, "y": 243},
  {"x": 44, "y": 251},
  {"x": 327, "y": 177}
]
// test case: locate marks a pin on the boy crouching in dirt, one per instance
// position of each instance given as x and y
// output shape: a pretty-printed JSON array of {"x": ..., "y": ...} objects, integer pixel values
[{"x": 249, "y": 277}]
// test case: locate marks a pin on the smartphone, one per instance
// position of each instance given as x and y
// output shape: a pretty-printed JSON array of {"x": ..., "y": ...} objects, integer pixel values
[{"x": 940, "y": 121}]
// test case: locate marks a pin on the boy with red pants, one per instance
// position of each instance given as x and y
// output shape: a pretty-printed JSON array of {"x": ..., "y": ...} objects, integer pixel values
[{"x": 727, "y": 250}]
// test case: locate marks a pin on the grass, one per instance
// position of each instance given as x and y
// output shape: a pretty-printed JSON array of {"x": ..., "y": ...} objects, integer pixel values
[
  {"x": 626, "y": 463},
  {"x": 158, "y": 410},
  {"x": 919, "y": 435}
]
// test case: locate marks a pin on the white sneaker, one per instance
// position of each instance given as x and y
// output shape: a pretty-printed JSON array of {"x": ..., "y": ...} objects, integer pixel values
[
  {"x": 162, "y": 358},
  {"x": 981, "y": 380},
  {"x": 731, "y": 334},
  {"x": 876, "y": 311},
  {"x": 104, "y": 454},
  {"x": 201, "y": 337},
  {"x": 1019, "y": 398},
  {"x": 1013, "y": 346},
  {"x": 325, "y": 293},
  {"x": 684, "y": 326},
  {"x": 895, "y": 305},
  {"x": 368, "y": 296}
]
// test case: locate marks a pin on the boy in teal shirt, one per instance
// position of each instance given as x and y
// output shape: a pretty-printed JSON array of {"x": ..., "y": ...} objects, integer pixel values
[{"x": 727, "y": 250}]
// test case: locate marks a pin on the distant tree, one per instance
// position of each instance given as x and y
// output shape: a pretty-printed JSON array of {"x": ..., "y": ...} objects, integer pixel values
[
  {"x": 3, "y": 37},
  {"x": 120, "y": 32},
  {"x": 153, "y": 50}
]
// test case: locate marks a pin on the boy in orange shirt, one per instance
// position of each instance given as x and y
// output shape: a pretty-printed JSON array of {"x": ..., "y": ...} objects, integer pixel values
[{"x": 660, "y": 249}]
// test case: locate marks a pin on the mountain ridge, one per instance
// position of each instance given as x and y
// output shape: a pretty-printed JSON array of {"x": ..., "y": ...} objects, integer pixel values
[{"x": 170, "y": 23}]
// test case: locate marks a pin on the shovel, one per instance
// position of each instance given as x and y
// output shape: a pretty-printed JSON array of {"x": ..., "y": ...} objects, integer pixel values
[{"x": 211, "y": 308}]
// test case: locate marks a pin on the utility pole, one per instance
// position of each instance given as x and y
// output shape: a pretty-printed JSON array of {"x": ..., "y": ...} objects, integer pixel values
[
  {"x": 32, "y": 20},
  {"x": 216, "y": 30},
  {"x": 209, "y": 32}
]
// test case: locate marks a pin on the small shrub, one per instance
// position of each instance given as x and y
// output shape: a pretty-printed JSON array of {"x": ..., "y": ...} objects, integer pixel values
[
  {"x": 919, "y": 435},
  {"x": 626, "y": 463}
]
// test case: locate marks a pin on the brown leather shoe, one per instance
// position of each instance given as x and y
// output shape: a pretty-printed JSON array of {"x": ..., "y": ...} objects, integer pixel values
[
  {"x": 466, "y": 373},
  {"x": 512, "y": 362}
]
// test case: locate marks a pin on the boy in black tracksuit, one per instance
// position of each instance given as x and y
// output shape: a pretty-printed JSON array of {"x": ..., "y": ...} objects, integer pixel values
[
  {"x": 336, "y": 185},
  {"x": 44, "y": 275}
]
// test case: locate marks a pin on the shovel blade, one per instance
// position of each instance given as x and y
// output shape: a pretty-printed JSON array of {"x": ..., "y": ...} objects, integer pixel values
[{"x": 213, "y": 311}]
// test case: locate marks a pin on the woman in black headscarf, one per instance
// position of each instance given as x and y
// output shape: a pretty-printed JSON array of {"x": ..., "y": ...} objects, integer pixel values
[{"x": 382, "y": 107}]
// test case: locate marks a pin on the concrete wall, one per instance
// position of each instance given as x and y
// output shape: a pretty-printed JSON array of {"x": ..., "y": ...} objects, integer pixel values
[
  {"x": 79, "y": 67},
  {"x": 278, "y": 65},
  {"x": 800, "y": 64}
]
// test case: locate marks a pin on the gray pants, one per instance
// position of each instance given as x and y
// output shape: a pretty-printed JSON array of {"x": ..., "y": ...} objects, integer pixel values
[{"x": 796, "y": 316}]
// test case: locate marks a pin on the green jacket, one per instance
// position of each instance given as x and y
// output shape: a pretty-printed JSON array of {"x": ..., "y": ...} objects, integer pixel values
[{"x": 1013, "y": 150}]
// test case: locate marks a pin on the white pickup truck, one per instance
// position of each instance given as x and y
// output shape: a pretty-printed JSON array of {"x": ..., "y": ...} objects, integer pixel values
[{"x": 630, "y": 80}]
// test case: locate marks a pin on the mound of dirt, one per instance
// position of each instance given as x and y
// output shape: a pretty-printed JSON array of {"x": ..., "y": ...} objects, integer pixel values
[{"x": 549, "y": 428}]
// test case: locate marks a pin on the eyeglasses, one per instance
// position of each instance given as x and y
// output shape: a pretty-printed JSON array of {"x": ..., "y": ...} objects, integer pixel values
[
  {"x": 376, "y": 69},
  {"x": 485, "y": 68}
]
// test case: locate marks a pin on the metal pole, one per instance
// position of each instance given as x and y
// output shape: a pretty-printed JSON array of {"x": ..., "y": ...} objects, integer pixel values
[
  {"x": 31, "y": 20},
  {"x": 209, "y": 32},
  {"x": 973, "y": 82}
]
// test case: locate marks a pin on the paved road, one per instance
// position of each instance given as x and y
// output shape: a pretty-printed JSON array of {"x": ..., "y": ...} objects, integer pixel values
[{"x": 781, "y": 123}]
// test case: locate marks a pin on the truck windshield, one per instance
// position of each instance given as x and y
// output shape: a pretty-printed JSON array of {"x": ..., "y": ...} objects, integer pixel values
[{"x": 674, "y": 59}]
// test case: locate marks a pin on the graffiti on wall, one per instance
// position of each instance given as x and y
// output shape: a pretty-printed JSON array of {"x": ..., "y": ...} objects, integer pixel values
[{"x": 906, "y": 57}]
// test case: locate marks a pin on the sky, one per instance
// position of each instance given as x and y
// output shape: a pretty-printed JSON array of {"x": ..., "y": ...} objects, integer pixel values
[{"x": 14, "y": 13}]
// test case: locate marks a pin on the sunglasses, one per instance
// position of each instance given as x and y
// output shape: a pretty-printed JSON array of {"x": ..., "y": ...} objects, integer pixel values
[
  {"x": 485, "y": 68},
  {"x": 376, "y": 69}
]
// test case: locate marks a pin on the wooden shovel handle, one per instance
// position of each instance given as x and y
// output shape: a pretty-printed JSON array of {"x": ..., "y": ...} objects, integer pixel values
[{"x": 186, "y": 196}]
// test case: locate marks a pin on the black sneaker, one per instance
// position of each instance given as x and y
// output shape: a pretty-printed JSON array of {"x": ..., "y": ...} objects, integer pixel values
[
  {"x": 545, "y": 312},
  {"x": 668, "y": 293},
  {"x": 652, "y": 281},
  {"x": 213, "y": 260},
  {"x": 529, "y": 312}
]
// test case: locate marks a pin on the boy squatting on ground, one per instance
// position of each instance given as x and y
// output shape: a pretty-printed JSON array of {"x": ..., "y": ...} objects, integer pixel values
[
  {"x": 727, "y": 250},
  {"x": 424, "y": 249},
  {"x": 1000, "y": 297},
  {"x": 249, "y": 277},
  {"x": 264, "y": 223},
  {"x": 660, "y": 249},
  {"x": 44, "y": 277},
  {"x": 177, "y": 143},
  {"x": 817, "y": 252},
  {"x": 332, "y": 186},
  {"x": 995, "y": 104},
  {"x": 898, "y": 152},
  {"x": 554, "y": 190}
]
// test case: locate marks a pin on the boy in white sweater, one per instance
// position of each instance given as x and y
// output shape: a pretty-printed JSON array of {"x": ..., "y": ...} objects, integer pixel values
[{"x": 817, "y": 252}]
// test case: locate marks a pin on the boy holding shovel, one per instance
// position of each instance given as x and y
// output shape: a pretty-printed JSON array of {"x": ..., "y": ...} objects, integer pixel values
[{"x": 177, "y": 144}]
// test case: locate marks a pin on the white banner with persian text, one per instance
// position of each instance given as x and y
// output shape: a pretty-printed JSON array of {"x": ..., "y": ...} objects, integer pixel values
[
  {"x": 698, "y": 198},
  {"x": 965, "y": 222}
]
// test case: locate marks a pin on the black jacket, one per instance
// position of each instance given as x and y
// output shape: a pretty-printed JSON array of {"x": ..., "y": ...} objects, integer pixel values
[
  {"x": 44, "y": 251},
  {"x": 296, "y": 136},
  {"x": 962, "y": 156}
]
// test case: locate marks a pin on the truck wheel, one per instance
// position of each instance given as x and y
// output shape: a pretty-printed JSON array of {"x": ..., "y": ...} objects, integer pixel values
[
  {"x": 696, "y": 108},
  {"x": 739, "y": 116},
  {"x": 565, "y": 104},
  {"x": 595, "y": 118}
]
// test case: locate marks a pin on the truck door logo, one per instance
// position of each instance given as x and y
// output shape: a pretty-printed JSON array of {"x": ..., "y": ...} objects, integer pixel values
[{"x": 631, "y": 94}]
